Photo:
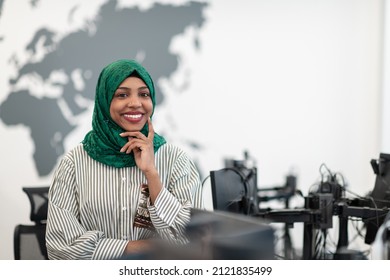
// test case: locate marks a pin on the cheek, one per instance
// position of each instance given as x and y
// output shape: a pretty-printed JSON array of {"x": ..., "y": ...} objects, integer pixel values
[
  {"x": 149, "y": 107},
  {"x": 114, "y": 107}
]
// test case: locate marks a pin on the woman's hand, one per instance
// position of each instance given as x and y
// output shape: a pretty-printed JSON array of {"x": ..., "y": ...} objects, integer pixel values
[
  {"x": 143, "y": 150},
  {"x": 137, "y": 247},
  {"x": 142, "y": 147}
]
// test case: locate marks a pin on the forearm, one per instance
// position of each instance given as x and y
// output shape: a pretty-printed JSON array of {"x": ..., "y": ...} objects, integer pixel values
[
  {"x": 169, "y": 216},
  {"x": 154, "y": 184},
  {"x": 137, "y": 247},
  {"x": 66, "y": 238}
]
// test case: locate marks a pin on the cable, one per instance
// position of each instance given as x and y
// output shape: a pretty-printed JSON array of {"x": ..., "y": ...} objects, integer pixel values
[
  {"x": 376, "y": 207},
  {"x": 204, "y": 180},
  {"x": 323, "y": 165},
  {"x": 244, "y": 179},
  {"x": 319, "y": 241}
]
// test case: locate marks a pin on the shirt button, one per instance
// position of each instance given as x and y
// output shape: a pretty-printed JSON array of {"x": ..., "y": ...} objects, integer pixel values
[
  {"x": 123, "y": 179},
  {"x": 124, "y": 208}
]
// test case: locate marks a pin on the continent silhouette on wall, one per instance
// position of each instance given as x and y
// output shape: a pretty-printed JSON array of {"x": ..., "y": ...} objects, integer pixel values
[{"x": 115, "y": 33}]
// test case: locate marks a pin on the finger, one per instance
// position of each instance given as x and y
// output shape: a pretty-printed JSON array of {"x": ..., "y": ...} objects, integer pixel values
[
  {"x": 134, "y": 144},
  {"x": 125, "y": 148},
  {"x": 151, "y": 129},
  {"x": 133, "y": 134},
  {"x": 135, "y": 147}
]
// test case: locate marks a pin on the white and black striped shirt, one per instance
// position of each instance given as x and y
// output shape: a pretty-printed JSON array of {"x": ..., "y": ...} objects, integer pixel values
[{"x": 92, "y": 206}]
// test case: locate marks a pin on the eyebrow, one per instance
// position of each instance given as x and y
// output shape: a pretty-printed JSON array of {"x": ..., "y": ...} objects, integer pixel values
[{"x": 140, "y": 88}]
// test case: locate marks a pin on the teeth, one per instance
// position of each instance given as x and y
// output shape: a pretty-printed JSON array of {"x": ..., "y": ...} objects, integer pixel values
[{"x": 133, "y": 116}]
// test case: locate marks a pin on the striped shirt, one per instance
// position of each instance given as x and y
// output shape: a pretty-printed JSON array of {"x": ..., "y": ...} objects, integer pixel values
[{"x": 93, "y": 207}]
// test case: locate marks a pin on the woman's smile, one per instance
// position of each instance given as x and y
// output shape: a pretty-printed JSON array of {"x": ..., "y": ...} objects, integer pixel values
[
  {"x": 131, "y": 105},
  {"x": 133, "y": 117}
]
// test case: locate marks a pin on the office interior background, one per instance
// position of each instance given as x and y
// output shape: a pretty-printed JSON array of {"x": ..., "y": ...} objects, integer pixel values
[{"x": 295, "y": 84}]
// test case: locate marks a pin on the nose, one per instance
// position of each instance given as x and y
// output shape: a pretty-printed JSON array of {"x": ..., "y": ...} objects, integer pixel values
[{"x": 134, "y": 102}]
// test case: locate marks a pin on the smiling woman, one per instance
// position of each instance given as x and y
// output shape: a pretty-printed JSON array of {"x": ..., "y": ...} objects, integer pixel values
[
  {"x": 131, "y": 105},
  {"x": 123, "y": 186}
]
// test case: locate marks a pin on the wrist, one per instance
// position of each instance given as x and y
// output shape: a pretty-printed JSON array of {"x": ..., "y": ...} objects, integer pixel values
[{"x": 151, "y": 173}]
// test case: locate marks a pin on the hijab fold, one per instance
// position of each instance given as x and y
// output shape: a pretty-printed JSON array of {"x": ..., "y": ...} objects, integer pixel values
[{"x": 103, "y": 142}]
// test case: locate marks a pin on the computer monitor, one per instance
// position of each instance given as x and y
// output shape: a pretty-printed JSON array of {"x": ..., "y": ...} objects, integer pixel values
[
  {"x": 380, "y": 195},
  {"x": 230, "y": 236},
  {"x": 234, "y": 189},
  {"x": 217, "y": 235}
]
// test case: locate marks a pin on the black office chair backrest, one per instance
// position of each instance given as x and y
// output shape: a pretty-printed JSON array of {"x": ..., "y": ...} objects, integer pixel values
[
  {"x": 29, "y": 240},
  {"x": 38, "y": 202}
]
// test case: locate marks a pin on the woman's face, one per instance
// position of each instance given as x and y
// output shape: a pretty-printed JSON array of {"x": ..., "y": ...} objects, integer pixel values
[{"x": 131, "y": 105}]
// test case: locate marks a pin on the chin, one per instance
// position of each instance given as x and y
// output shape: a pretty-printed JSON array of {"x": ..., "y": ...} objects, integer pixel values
[{"x": 133, "y": 129}]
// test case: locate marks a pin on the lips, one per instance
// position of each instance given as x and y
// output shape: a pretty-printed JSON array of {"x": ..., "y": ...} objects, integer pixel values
[{"x": 133, "y": 117}]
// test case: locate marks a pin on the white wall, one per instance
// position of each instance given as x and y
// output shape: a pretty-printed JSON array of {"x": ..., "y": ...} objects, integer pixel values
[
  {"x": 297, "y": 83},
  {"x": 385, "y": 143}
]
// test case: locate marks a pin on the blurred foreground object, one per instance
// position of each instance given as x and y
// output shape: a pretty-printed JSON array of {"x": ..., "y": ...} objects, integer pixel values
[{"x": 216, "y": 235}]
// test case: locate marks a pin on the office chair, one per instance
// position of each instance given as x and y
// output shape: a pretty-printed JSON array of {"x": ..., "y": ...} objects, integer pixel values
[{"x": 29, "y": 240}]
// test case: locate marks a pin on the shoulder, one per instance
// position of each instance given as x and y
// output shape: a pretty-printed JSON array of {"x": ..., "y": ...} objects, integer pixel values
[
  {"x": 175, "y": 157},
  {"x": 76, "y": 151},
  {"x": 76, "y": 154},
  {"x": 171, "y": 151}
]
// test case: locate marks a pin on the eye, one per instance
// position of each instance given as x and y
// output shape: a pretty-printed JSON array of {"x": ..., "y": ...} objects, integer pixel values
[
  {"x": 121, "y": 94},
  {"x": 144, "y": 94}
]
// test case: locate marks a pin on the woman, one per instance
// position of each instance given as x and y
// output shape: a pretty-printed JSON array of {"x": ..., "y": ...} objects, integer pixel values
[{"x": 123, "y": 185}]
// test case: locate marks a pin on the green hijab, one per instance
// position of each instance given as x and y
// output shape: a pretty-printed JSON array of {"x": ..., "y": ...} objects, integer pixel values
[{"x": 103, "y": 142}]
